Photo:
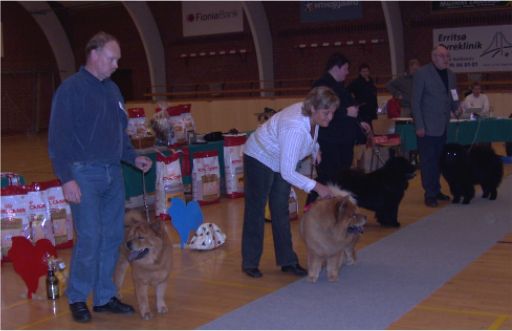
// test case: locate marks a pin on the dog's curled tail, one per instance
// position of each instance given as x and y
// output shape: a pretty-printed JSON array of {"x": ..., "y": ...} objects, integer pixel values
[{"x": 338, "y": 192}]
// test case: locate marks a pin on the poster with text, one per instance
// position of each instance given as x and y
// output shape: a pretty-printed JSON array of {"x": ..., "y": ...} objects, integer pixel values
[
  {"x": 477, "y": 49},
  {"x": 211, "y": 17}
]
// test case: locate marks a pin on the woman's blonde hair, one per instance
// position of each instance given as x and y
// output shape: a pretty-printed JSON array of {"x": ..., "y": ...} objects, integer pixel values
[{"x": 320, "y": 97}]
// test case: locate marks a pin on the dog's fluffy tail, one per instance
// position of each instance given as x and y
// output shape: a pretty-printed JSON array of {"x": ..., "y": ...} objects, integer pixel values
[{"x": 338, "y": 192}]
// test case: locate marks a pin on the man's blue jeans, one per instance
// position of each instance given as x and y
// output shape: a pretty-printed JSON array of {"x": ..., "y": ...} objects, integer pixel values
[
  {"x": 260, "y": 184},
  {"x": 99, "y": 227}
]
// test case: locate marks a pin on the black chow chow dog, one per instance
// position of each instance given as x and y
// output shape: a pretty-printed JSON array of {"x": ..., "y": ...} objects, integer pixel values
[
  {"x": 464, "y": 167},
  {"x": 380, "y": 191}
]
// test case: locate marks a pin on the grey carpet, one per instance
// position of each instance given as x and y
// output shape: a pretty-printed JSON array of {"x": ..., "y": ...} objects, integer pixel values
[{"x": 391, "y": 276}]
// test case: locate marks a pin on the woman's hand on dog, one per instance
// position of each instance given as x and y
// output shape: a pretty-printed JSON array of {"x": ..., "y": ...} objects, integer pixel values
[
  {"x": 143, "y": 163},
  {"x": 323, "y": 191}
]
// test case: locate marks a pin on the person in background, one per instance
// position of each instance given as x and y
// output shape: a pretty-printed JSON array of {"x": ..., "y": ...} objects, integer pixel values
[
  {"x": 337, "y": 140},
  {"x": 271, "y": 156},
  {"x": 401, "y": 88},
  {"x": 476, "y": 100},
  {"x": 87, "y": 142},
  {"x": 434, "y": 100},
  {"x": 365, "y": 93}
]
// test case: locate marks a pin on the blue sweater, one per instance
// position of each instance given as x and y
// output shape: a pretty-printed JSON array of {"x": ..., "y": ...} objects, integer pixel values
[{"x": 87, "y": 123}]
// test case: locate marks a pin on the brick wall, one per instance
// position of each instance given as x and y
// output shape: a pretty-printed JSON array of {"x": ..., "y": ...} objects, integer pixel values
[{"x": 26, "y": 48}]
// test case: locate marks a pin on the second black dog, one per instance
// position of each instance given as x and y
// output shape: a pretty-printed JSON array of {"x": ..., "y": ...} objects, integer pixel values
[
  {"x": 380, "y": 191},
  {"x": 464, "y": 167}
]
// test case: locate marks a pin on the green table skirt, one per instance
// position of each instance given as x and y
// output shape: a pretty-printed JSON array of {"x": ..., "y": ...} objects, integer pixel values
[{"x": 463, "y": 132}]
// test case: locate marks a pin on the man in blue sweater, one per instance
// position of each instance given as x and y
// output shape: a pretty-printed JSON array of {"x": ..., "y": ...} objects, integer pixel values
[{"x": 87, "y": 142}]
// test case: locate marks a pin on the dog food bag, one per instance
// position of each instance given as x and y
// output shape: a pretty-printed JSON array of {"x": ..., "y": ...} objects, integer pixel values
[
  {"x": 206, "y": 177},
  {"x": 14, "y": 218},
  {"x": 187, "y": 173},
  {"x": 136, "y": 123},
  {"x": 177, "y": 124},
  {"x": 293, "y": 205},
  {"x": 169, "y": 183},
  {"x": 60, "y": 213},
  {"x": 188, "y": 120},
  {"x": 39, "y": 214},
  {"x": 234, "y": 164}
]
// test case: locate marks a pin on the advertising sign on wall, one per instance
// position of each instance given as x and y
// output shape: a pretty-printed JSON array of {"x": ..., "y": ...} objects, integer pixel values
[
  {"x": 211, "y": 17},
  {"x": 448, "y": 5},
  {"x": 324, "y": 11},
  {"x": 477, "y": 49}
]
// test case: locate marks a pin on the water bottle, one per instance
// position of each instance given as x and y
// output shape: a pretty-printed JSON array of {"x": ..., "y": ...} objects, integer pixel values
[{"x": 52, "y": 284}]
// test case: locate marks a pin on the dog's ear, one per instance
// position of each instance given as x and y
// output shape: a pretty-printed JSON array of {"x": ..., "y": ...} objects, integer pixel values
[
  {"x": 344, "y": 209},
  {"x": 132, "y": 217}
]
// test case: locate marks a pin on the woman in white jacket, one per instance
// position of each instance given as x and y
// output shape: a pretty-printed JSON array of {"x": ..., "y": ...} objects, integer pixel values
[{"x": 271, "y": 156}]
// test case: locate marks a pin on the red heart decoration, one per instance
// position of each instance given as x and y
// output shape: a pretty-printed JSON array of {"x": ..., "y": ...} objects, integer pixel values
[{"x": 29, "y": 261}]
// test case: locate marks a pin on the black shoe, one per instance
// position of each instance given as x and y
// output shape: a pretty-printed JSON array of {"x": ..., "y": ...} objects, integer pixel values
[
  {"x": 295, "y": 269},
  {"x": 442, "y": 197},
  {"x": 431, "y": 202},
  {"x": 390, "y": 225},
  {"x": 80, "y": 312},
  {"x": 114, "y": 306},
  {"x": 252, "y": 272}
]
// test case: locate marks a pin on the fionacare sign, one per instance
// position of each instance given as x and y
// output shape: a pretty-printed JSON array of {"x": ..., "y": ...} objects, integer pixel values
[
  {"x": 477, "y": 49},
  {"x": 211, "y": 17}
]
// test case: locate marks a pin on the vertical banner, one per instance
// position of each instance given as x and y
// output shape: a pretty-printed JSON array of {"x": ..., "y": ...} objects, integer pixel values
[
  {"x": 325, "y": 11},
  {"x": 477, "y": 49},
  {"x": 211, "y": 17}
]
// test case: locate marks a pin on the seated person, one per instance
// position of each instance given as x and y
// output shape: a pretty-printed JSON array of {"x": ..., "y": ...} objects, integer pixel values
[{"x": 476, "y": 101}]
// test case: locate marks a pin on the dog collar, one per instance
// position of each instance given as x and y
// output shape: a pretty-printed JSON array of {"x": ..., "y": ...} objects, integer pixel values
[{"x": 355, "y": 229}]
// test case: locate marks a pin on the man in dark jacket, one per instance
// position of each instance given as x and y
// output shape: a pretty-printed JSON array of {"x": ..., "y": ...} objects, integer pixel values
[
  {"x": 365, "y": 93},
  {"x": 344, "y": 131}
]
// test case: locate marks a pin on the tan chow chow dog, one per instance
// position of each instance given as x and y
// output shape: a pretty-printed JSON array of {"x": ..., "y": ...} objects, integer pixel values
[
  {"x": 331, "y": 229},
  {"x": 148, "y": 250}
]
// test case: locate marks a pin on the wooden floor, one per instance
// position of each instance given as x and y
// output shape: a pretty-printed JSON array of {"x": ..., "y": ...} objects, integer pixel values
[{"x": 206, "y": 285}]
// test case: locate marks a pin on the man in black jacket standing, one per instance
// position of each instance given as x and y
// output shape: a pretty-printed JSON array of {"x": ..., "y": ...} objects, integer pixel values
[
  {"x": 365, "y": 93},
  {"x": 344, "y": 131}
]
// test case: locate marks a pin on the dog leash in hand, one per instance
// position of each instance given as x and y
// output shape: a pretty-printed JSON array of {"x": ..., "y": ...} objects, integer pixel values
[{"x": 146, "y": 209}]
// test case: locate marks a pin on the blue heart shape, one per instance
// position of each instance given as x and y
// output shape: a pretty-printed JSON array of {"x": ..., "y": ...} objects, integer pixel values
[{"x": 185, "y": 218}]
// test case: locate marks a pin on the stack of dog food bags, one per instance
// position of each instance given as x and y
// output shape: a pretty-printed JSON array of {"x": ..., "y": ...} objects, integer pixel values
[
  {"x": 188, "y": 120},
  {"x": 234, "y": 164},
  {"x": 60, "y": 213},
  {"x": 169, "y": 183},
  {"x": 38, "y": 213},
  {"x": 14, "y": 216},
  {"x": 177, "y": 123},
  {"x": 136, "y": 123},
  {"x": 206, "y": 177}
]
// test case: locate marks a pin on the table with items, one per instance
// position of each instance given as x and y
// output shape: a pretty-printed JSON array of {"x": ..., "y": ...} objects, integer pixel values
[
  {"x": 465, "y": 132},
  {"x": 133, "y": 176}
]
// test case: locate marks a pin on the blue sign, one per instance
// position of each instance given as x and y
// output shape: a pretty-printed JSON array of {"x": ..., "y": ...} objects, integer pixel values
[{"x": 325, "y": 11}]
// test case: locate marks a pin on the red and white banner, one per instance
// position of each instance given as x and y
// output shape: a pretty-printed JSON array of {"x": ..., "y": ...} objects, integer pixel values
[{"x": 211, "y": 17}]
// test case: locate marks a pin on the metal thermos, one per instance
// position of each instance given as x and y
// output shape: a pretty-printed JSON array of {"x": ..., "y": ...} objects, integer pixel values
[{"x": 52, "y": 285}]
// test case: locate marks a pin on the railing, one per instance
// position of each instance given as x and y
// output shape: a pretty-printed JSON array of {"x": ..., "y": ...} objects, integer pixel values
[{"x": 284, "y": 87}]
